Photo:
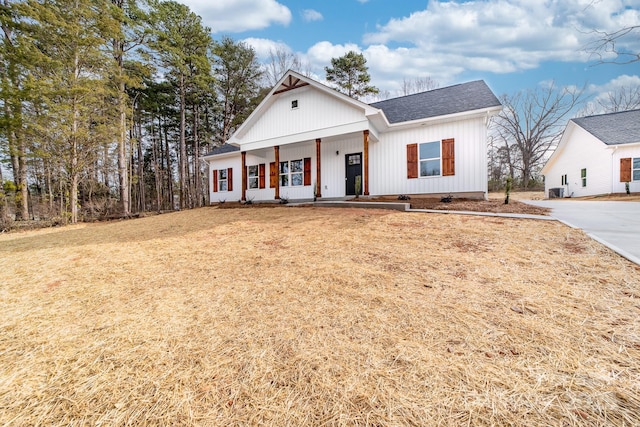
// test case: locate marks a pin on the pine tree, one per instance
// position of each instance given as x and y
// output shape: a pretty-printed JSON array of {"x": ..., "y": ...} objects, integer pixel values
[
  {"x": 72, "y": 79},
  {"x": 181, "y": 43},
  {"x": 350, "y": 74},
  {"x": 14, "y": 51},
  {"x": 238, "y": 75},
  {"x": 131, "y": 31}
]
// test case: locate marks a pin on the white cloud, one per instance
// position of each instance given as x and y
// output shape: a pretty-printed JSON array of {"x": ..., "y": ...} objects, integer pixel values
[
  {"x": 499, "y": 36},
  {"x": 311, "y": 15},
  {"x": 229, "y": 16},
  {"x": 263, "y": 47},
  {"x": 321, "y": 53},
  {"x": 623, "y": 82}
]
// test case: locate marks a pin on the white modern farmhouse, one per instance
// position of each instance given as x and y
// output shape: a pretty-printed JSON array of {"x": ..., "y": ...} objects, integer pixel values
[
  {"x": 307, "y": 140},
  {"x": 596, "y": 155}
]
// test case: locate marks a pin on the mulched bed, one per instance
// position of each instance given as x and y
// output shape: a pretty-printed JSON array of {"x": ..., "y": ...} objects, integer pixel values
[{"x": 473, "y": 205}]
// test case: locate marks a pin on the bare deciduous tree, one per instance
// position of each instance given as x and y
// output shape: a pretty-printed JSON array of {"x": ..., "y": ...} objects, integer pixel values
[
  {"x": 531, "y": 123},
  {"x": 607, "y": 45},
  {"x": 621, "y": 99},
  {"x": 282, "y": 60},
  {"x": 417, "y": 85}
]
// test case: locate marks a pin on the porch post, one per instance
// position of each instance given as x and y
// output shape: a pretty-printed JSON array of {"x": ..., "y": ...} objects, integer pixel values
[
  {"x": 318, "y": 180},
  {"x": 276, "y": 150},
  {"x": 365, "y": 135},
  {"x": 243, "y": 170}
]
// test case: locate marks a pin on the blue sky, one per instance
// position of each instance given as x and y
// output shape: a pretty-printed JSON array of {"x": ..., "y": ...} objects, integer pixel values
[{"x": 511, "y": 44}]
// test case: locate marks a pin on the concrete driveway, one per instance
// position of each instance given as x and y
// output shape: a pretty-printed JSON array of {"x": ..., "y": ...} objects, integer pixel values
[{"x": 614, "y": 224}]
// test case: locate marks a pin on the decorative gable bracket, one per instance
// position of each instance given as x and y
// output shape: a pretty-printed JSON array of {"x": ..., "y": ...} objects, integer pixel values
[{"x": 290, "y": 83}]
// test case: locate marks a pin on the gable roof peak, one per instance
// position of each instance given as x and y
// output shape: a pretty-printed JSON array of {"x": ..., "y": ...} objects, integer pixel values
[{"x": 620, "y": 127}]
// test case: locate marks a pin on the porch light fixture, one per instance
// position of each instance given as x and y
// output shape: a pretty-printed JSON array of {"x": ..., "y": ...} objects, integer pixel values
[
  {"x": 337, "y": 153},
  {"x": 294, "y": 104}
]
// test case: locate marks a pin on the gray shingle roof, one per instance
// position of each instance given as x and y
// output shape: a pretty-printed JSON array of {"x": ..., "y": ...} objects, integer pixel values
[
  {"x": 222, "y": 149},
  {"x": 613, "y": 128},
  {"x": 439, "y": 102}
]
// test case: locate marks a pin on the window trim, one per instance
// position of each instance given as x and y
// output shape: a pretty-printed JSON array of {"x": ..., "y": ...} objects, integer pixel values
[
  {"x": 255, "y": 177},
  {"x": 223, "y": 180},
  {"x": 430, "y": 159},
  {"x": 290, "y": 173}
]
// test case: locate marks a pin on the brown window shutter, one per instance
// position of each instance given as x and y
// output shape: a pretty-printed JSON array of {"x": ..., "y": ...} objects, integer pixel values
[
  {"x": 261, "y": 172},
  {"x": 215, "y": 180},
  {"x": 230, "y": 179},
  {"x": 307, "y": 171},
  {"x": 448, "y": 157},
  {"x": 412, "y": 160},
  {"x": 625, "y": 169},
  {"x": 273, "y": 175}
]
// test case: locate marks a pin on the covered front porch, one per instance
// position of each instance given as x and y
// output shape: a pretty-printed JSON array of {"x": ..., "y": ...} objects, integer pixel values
[{"x": 325, "y": 167}]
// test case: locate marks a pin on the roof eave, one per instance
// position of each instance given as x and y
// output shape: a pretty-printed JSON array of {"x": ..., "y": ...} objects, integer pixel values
[
  {"x": 627, "y": 144},
  {"x": 481, "y": 112},
  {"x": 568, "y": 130},
  {"x": 220, "y": 156}
]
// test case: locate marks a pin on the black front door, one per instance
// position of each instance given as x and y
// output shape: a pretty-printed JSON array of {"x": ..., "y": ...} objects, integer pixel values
[{"x": 353, "y": 168}]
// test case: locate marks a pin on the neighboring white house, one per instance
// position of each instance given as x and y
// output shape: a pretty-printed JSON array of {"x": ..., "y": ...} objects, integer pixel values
[
  {"x": 306, "y": 139},
  {"x": 596, "y": 155}
]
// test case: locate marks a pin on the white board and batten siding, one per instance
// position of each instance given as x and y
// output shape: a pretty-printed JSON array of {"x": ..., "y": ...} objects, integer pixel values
[
  {"x": 226, "y": 162},
  {"x": 333, "y": 167},
  {"x": 298, "y": 152},
  {"x": 388, "y": 160},
  {"x": 281, "y": 124},
  {"x": 581, "y": 150},
  {"x": 627, "y": 151},
  {"x": 387, "y": 163},
  {"x": 287, "y": 153}
]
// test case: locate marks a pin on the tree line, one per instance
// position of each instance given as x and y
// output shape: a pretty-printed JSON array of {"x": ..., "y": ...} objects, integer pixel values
[{"x": 108, "y": 105}]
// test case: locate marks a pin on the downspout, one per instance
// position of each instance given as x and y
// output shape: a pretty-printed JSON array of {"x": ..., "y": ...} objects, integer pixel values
[
  {"x": 487, "y": 119},
  {"x": 615, "y": 147}
]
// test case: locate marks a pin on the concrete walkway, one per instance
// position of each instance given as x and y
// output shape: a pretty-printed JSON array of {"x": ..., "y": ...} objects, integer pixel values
[{"x": 614, "y": 224}]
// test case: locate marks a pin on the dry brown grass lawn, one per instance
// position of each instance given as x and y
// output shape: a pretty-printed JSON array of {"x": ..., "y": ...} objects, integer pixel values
[{"x": 291, "y": 316}]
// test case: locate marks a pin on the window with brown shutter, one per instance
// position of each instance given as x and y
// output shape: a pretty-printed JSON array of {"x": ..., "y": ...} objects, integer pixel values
[
  {"x": 215, "y": 180},
  {"x": 307, "y": 171},
  {"x": 261, "y": 173},
  {"x": 625, "y": 169},
  {"x": 230, "y": 179},
  {"x": 412, "y": 160},
  {"x": 273, "y": 175},
  {"x": 448, "y": 157}
]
